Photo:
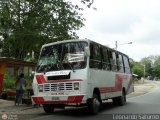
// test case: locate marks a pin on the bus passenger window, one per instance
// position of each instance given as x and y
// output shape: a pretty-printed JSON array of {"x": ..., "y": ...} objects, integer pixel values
[
  {"x": 126, "y": 65},
  {"x": 105, "y": 59},
  {"x": 114, "y": 62},
  {"x": 110, "y": 59},
  {"x": 120, "y": 63},
  {"x": 95, "y": 58}
]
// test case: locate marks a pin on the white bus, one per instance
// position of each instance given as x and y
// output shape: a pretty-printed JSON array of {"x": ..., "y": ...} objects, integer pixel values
[{"x": 80, "y": 72}]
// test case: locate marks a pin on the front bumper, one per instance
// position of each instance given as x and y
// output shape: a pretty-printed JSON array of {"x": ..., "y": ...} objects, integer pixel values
[{"x": 66, "y": 100}]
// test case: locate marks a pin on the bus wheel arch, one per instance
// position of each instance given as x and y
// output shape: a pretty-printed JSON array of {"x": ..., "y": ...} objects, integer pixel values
[
  {"x": 95, "y": 102},
  {"x": 120, "y": 100},
  {"x": 124, "y": 94}
]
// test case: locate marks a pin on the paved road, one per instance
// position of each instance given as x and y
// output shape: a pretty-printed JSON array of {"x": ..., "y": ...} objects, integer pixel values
[
  {"x": 140, "y": 107},
  {"x": 145, "y": 104}
]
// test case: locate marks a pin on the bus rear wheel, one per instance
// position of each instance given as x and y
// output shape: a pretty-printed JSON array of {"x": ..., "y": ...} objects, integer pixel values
[
  {"x": 48, "y": 108},
  {"x": 94, "y": 104},
  {"x": 121, "y": 100}
]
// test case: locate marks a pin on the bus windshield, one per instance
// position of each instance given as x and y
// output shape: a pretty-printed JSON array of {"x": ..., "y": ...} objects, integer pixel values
[{"x": 64, "y": 56}]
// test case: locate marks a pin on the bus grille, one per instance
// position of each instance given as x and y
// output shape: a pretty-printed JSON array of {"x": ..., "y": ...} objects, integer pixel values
[
  {"x": 58, "y": 86},
  {"x": 61, "y": 77}
]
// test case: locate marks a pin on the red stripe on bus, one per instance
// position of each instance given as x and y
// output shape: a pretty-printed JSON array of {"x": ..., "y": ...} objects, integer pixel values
[
  {"x": 38, "y": 100},
  {"x": 118, "y": 85},
  {"x": 129, "y": 85},
  {"x": 71, "y": 99},
  {"x": 78, "y": 99},
  {"x": 40, "y": 79}
]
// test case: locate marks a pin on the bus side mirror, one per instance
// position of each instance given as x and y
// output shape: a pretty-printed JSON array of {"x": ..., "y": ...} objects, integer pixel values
[{"x": 87, "y": 51}]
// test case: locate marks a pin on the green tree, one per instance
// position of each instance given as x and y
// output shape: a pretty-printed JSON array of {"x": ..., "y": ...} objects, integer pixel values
[
  {"x": 137, "y": 68},
  {"x": 156, "y": 67},
  {"x": 152, "y": 65},
  {"x": 26, "y": 25},
  {"x": 148, "y": 62}
]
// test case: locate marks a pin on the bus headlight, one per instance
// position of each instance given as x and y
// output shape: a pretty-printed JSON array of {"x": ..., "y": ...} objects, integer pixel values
[
  {"x": 76, "y": 86},
  {"x": 40, "y": 88}
]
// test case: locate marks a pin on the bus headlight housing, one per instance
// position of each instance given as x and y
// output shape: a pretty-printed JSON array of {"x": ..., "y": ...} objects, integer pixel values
[
  {"x": 40, "y": 87},
  {"x": 76, "y": 86}
]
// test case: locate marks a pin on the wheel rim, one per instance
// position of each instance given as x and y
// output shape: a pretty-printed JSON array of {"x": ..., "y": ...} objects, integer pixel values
[{"x": 96, "y": 104}]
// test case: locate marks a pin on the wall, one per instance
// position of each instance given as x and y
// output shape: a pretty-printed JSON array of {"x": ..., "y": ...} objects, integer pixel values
[{"x": 2, "y": 70}]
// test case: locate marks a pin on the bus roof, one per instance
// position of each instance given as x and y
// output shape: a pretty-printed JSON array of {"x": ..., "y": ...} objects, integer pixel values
[
  {"x": 76, "y": 40},
  {"x": 64, "y": 41}
]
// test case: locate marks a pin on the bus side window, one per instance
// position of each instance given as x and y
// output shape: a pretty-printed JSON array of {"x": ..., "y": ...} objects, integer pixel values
[
  {"x": 114, "y": 61},
  {"x": 120, "y": 63},
  {"x": 95, "y": 58},
  {"x": 110, "y": 59},
  {"x": 126, "y": 64},
  {"x": 105, "y": 59}
]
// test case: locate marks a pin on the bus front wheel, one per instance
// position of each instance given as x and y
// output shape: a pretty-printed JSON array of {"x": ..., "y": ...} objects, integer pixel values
[
  {"x": 48, "y": 108},
  {"x": 94, "y": 104}
]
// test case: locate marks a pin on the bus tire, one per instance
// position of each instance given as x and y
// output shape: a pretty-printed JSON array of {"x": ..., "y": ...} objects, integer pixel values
[
  {"x": 48, "y": 108},
  {"x": 121, "y": 100},
  {"x": 94, "y": 104}
]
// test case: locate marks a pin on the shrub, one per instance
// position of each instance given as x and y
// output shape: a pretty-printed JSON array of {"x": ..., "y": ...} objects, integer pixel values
[{"x": 8, "y": 82}]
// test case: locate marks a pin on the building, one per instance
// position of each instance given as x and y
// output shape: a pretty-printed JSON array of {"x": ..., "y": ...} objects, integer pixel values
[{"x": 14, "y": 67}]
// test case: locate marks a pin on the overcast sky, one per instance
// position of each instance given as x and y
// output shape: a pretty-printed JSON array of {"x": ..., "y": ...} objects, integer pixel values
[{"x": 125, "y": 21}]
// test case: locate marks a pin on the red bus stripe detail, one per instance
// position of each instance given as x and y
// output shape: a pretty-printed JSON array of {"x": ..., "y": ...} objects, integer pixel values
[
  {"x": 78, "y": 99},
  {"x": 118, "y": 84},
  {"x": 40, "y": 79},
  {"x": 75, "y": 99},
  {"x": 71, "y": 99},
  {"x": 56, "y": 102},
  {"x": 38, "y": 100},
  {"x": 129, "y": 85},
  {"x": 107, "y": 89}
]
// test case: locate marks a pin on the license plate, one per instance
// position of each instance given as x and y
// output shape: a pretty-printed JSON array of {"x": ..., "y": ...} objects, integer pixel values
[{"x": 55, "y": 98}]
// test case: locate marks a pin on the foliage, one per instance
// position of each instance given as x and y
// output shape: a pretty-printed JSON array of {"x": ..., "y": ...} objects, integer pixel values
[
  {"x": 152, "y": 67},
  {"x": 156, "y": 67},
  {"x": 148, "y": 62},
  {"x": 26, "y": 25},
  {"x": 28, "y": 85},
  {"x": 137, "y": 69},
  {"x": 88, "y": 2},
  {"x": 8, "y": 82},
  {"x": 29, "y": 80}
]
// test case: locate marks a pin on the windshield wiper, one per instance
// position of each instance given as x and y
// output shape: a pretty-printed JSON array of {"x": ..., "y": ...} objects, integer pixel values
[
  {"x": 71, "y": 66},
  {"x": 60, "y": 66}
]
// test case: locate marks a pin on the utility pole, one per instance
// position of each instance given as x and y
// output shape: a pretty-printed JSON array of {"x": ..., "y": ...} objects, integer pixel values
[
  {"x": 144, "y": 72},
  {"x": 121, "y": 44},
  {"x": 116, "y": 45}
]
